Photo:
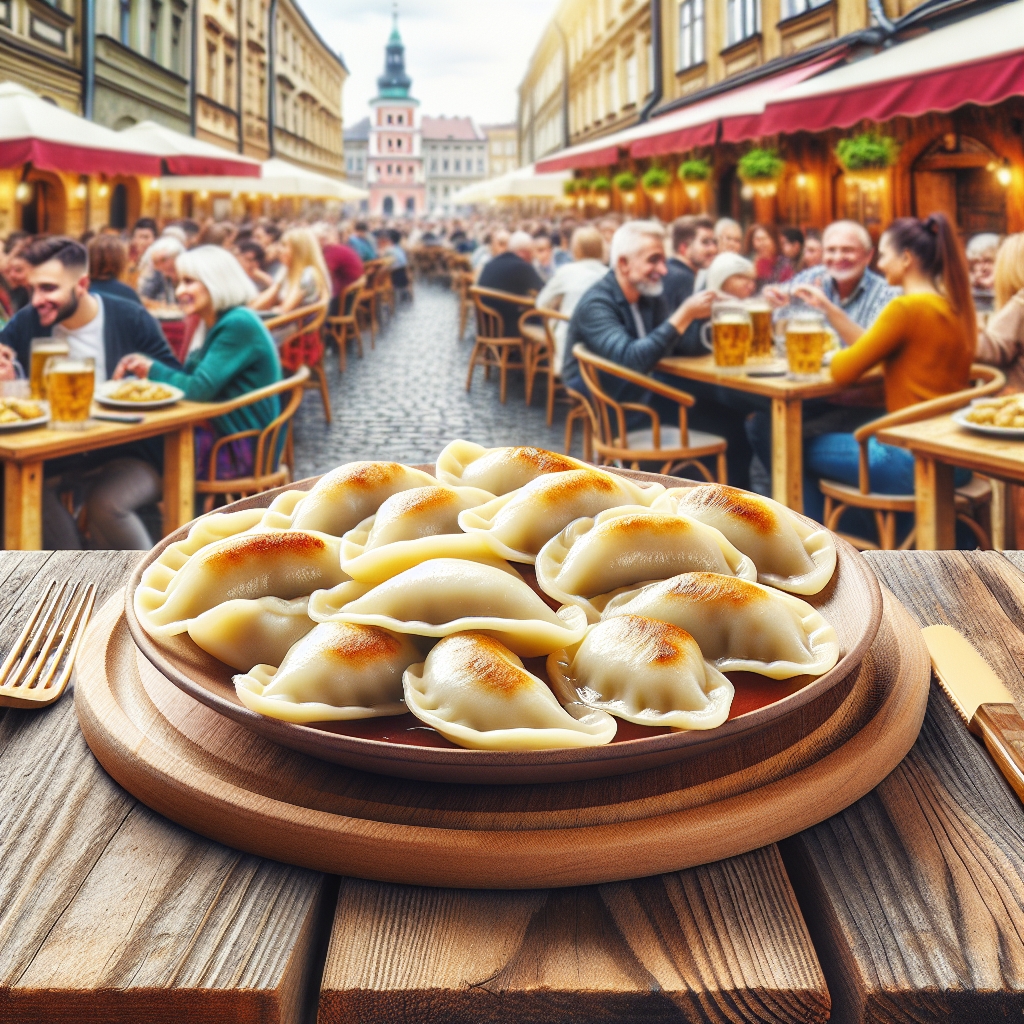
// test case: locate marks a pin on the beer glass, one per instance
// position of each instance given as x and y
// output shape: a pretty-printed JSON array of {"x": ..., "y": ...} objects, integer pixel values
[
  {"x": 762, "y": 343},
  {"x": 41, "y": 350},
  {"x": 69, "y": 387},
  {"x": 806, "y": 340},
  {"x": 731, "y": 332}
]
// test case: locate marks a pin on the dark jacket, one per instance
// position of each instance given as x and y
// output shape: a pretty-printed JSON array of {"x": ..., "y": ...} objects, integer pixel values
[
  {"x": 509, "y": 273},
  {"x": 604, "y": 323},
  {"x": 678, "y": 283},
  {"x": 118, "y": 289}
]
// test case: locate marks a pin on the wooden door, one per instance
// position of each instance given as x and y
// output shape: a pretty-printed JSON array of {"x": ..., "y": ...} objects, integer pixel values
[{"x": 935, "y": 192}]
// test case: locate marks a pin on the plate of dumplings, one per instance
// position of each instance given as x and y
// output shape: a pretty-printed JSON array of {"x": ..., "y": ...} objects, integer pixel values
[{"x": 509, "y": 615}]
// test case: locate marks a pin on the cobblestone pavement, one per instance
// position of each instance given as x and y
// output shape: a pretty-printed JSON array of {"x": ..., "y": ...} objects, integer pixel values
[{"x": 407, "y": 398}]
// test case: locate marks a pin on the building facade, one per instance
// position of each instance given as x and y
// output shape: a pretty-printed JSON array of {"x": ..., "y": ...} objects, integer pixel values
[
  {"x": 357, "y": 140},
  {"x": 454, "y": 155},
  {"x": 40, "y": 48},
  {"x": 502, "y": 148},
  {"x": 394, "y": 162}
]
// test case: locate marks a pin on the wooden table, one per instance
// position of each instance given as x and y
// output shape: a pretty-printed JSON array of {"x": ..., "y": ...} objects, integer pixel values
[
  {"x": 787, "y": 398},
  {"x": 909, "y": 906},
  {"x": 938, "y": 446}
]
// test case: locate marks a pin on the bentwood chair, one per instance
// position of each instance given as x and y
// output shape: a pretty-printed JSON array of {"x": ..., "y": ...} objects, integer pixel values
[
  {"x": 492, "y": 349},
  {"x": 540, "y": 354},
  {"x": 462, "y": 279},
  {"x": 384, "y": 290},
  {"x": 297, "y": 336},
  {"x": 273, "y": 461},
  {"x": 344, "y": 326},
  {"x": 972, "y": 500},
  {"x": 366, "y": 306},
  {"x": 672, "y": 447}
]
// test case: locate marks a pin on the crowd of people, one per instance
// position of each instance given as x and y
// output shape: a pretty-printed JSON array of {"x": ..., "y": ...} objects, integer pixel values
[{"x": 918, "y": 304}]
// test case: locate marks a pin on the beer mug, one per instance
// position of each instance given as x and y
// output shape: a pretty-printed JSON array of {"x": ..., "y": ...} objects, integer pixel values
[
  {"x": 731, "y": 332},
  {"x": 806, "y": 340},
  {"x": 69, "y": 386},
  {"x": 762, "y": 341},
  {"x": 41, "y": 350}
]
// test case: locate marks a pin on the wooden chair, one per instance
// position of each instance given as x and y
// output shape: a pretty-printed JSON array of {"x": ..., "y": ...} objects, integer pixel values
[
  {"x": 384, "y": 290},
  {"x": 539, "y": 354},
  {"x": 971, "y": 499},
  {"x": 267, "y": 472},
  {"x": 289, "y": 330},
  {"x": 462, "y": 280},
  {"x": 344, "y": 326},
  {"x": 492, "y": 348},
  {"x": 366, "y": 299},
  {"x": 673, "y": 447}
]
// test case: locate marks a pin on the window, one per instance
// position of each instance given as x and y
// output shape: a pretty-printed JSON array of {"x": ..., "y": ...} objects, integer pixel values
[
  {"x": 229, "y": 80},
  {"x": 743, "y": 20},
  {"x": 444, "y": 165},
  {"x": 791, "y": 8},
  {"x": 389, "y": 119},
  {"x": 125, "y": 24},
  {"x": 433, "y": 166},
  {"x": 510, "y": 148},
  {"x": 398, "y": 144},
  {"x": 632, "y": 79},
  {"x": 211, "y": 70},
  {"x": 691, "y": 34},
  {"x": 154, "y": 29},
  {"x": 176, "y": 43},
  {"x": 496, "y": 148},
  {"x": 480, "y": 166},
  {"x": 400, "y": 119},
  {"x": 389, "y": 169},
  {"x": 611, "y": 89},
  {"x": 458, "y": 166}
]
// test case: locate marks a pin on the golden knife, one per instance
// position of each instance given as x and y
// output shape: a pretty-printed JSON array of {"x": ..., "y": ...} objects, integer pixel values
[{"x": 980, "y": 698}]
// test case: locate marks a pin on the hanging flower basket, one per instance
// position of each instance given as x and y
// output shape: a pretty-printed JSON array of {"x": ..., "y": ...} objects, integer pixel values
[
  {"x": 655, "y": 182},
  {"x": 694, "y": 170},
  {"x": 600, "y": 191},
  {"x": 866, "y": 158},
  {"x": 760, "y": 171},
  {"x": 626, "y": 184}
]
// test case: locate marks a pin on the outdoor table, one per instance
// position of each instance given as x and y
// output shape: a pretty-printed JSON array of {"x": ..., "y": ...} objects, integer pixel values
[
  {"x": 907, "y": 906},
  {"x": 938, "y": 446},
  {"x": 787, "y": 398}
]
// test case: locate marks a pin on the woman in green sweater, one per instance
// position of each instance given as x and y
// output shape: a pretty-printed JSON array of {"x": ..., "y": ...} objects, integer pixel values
[{"x": 231, "y": 354}]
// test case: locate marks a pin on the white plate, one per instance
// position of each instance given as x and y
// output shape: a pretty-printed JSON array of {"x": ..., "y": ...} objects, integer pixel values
[
  {"x": 1009, "y": 433},
  {"x": 39, "y": 421},
  {"x": 103, "y": 397}
]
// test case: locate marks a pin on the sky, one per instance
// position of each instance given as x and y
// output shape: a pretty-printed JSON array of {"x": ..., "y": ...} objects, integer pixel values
[{"x": 466, "y": 57}]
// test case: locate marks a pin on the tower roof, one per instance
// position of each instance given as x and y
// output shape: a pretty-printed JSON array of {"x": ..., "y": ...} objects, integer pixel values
[{"x": 395, "y": 82}]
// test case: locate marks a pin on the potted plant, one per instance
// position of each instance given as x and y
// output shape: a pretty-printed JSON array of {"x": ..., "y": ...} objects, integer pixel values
[
  {"x": 600, "y": 189},
  {"x": 569, "y": 187},
  {"x": 626, "y": 184},
  {"x": 866, "y": 157},
  {"x": 760, "y": 170},
  {"x": 694, "y": 174},
  {"x": 655, "y": 182}
]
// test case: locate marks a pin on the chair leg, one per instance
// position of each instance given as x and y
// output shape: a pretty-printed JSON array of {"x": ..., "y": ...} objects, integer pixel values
[
  {"x": 550, "y": 409},
  {"x": 723, "y": 468},
  {"x": 503, "y": 378},
  {"x": 528, "y": 370},
  {"x": 325, "y": 395},
  {"x": 472, "y": 365},
  {"x": 977, "y": 529}
]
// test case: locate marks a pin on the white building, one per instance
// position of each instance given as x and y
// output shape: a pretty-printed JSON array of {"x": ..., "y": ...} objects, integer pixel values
[{"x": 454, "y": 155}]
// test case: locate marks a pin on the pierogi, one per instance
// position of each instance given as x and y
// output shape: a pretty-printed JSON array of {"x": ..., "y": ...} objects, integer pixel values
[
  {"x": 499, "y": 470},
  {"x": 243, "y": 633}
]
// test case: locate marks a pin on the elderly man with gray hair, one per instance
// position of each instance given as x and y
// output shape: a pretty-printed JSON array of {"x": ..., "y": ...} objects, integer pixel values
[
  {"x": 159, "y": 278},
  {"x": 512, "y": 272}
]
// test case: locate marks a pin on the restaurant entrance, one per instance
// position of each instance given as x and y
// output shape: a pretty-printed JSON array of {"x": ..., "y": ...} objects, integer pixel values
[{"x": 45, "y": 209}]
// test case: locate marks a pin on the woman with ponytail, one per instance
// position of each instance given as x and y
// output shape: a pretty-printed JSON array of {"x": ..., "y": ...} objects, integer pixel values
[{"x": 924, "y": 341}]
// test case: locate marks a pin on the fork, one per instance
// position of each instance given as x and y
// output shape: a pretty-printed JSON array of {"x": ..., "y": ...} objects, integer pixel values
[{"x": 29, "y": 676}]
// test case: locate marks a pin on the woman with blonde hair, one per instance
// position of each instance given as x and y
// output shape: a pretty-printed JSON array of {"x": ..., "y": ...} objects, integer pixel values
[
  {"x": 305, "y": 280},
  {"x": 1001, "y": 341}
]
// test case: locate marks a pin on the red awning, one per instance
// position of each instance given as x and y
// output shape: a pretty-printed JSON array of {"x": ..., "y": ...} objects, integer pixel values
[
  {"x": 185, "y": 155},
  {"x": 58, "y": 156},
  {"x": 579, "y": 160}
]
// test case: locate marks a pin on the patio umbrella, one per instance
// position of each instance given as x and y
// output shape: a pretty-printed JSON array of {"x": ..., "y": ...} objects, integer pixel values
[
  {"x": 182, "y": 154},
  {"x": 53, "y": 139},
  {"x": 278, "y": 178},
  {"x": 521, "y": 183}
]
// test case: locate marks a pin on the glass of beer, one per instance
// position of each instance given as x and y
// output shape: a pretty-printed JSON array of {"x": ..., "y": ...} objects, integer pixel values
[
  {"x": 762, "y": 343},
  {"x": 41, "y": 350},
  {"x": 731, "y": 333},
  {"x": 806, "y": 340},
  {"x": 69, "y": 387}
]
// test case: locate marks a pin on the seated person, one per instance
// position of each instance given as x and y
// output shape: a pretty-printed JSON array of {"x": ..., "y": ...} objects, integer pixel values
[
  {"x": 305, "y": 280},
  {"x": 981, "y": 264},
  {"x": 158, "y": 282},
  {"x": 267, "y": 235},
  {"x": 733, "y": 275},
  {"x": 232, "y": 354},
  {"x": 342, "y": 261},
  {"x": 362, "y": 241},
  {"x": 1001, "y": 341},
  {"x": 390, "y": 246},
  {"x": 143, "y": 236},
  {"x": 116, "y": 481},
  {"x": 693, "y": 249},
  {"x": 252, "y": 257},
  {"x": 108, "y": 257},
  {"x": 511, "y": 272}
]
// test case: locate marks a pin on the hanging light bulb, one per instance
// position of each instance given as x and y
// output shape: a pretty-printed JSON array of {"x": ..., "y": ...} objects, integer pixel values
[
  {"x": 1004, "y": 175},
  {"x": 801, "y": 181},
  {"x": 23, "y": 192},
  {"x": 104, "y": 191}
]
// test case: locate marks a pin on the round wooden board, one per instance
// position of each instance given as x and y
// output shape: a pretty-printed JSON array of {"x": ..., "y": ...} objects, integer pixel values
[{"x": 217, "y": 778}]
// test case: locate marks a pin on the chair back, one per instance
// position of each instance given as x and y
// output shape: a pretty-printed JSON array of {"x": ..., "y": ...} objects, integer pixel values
[
  {"x": 269, "y": 444},
  {"x": 346, "y": 300},
  {"x": 547, "y": 318},
  {"x": 489, "y": 322},
  {"x": 304, "y": 320},
  {"x": 985, "y": 380}
]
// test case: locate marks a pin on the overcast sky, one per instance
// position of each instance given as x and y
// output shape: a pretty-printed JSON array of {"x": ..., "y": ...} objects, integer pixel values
[{"x": 465, "y": 56}]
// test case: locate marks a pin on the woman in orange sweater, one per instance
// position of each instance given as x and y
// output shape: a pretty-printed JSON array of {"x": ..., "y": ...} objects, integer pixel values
[{"x": 924, "y": 340}]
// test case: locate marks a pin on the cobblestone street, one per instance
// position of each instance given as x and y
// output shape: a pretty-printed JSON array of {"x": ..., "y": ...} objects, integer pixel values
[{"x": 407, "y": 398}]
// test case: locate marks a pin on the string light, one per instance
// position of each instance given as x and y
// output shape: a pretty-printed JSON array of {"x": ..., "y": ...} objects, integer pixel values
[
  {"x": 23, "y": 192},
  {"x": 1004, "y": 175}
]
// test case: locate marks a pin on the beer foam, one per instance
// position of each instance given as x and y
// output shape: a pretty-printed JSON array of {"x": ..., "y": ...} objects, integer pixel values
[
  {"x": 804, "y": 328},
  {"x": 71, "y": 366},
  {"x": 732, "y": 319}
]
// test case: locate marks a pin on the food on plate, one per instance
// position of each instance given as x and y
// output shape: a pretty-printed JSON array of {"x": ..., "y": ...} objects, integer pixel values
[
  {"x": 343, "y": 498},
  {"x": 1005, "y": 411},
  {"x": 738, "y": 625},
  {"x": 336, "y": 672},
  {"x": 623, "y": 547},
  {"x": 645, "y": 671},
  {"x": 140, "y": 391},
  {"x": 517, "y": 525},
  {"x": 788, "y": 552},
  {"x": 261, "y": 563},
  {"x": 450, "y": 595},
  {"x": 243, "y": 633},
  {"x": 499, "y": 470},
  {"x": 477, "y": 693},
  {"x": 17, "y": 410}
]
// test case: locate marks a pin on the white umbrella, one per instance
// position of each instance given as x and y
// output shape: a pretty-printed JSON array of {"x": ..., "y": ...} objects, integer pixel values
[
  {"x": 53, "y": 139},
  {"x": 521, "y": 183},
  {"x": 182, "y": 154},
  {"x": 277, "y": 178}
]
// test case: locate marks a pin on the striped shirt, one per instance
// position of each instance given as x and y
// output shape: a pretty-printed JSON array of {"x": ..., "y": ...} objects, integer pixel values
[{"x": 864, "y": 303}]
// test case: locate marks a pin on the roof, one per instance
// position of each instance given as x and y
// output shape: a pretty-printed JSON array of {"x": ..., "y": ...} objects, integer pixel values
[
  {"x": 359, "y": 132},
  {"x": 336, "y": 57},
  {"x": 455, "y": 129},
  {"x": 509, "y": 126}
]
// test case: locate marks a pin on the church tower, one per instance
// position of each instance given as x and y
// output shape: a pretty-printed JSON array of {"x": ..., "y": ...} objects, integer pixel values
[{"x": 394, "y": 158}]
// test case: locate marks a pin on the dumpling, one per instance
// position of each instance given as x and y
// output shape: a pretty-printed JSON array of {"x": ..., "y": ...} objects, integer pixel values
[
  {"x": 262, "y": 563},
  {"x": 335, "y": 673},
  {"x": 622, "y": 547},
  {"x": 243, "y": 633},
  {"x": 449, "y": 595},
  {"x": 343, "y": 498},
  {"x": 518, "y": 525},
  {"x": 789, "y": 552},
  {"x": 476, "y": 693},
  {"x": 739, "y": 625},
  {"x": 411, "y": 527},
  {"x": 648, "y": 672},
  {"x": 499, "y": 470}
]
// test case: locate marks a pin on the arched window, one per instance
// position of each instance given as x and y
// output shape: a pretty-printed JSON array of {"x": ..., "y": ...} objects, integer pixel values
[
  {"x": 119, "y": 206},
  {"x": 389, "y": 206},
  {"x": 410, "y": 205}
]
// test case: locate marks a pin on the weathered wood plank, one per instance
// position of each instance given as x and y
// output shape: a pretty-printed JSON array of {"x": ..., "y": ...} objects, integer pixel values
[
  {"x": 914, "y": 896},
  {"x": 109, "y": 912},
  {"x": 723, "y": 942}
]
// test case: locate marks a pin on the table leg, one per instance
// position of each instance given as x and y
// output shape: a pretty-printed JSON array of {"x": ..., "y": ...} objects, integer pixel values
[
  {"x": 788, "y": 453},
  {"x": 936, "y": 514},
  {"x": 23, "y": 506},
  {"x": 1002, "y": 515},
  {"x": 179, "y": 478}
]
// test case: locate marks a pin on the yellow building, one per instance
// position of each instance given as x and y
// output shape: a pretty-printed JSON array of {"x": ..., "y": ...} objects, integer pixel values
[{"x": 502, "y": 148}]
